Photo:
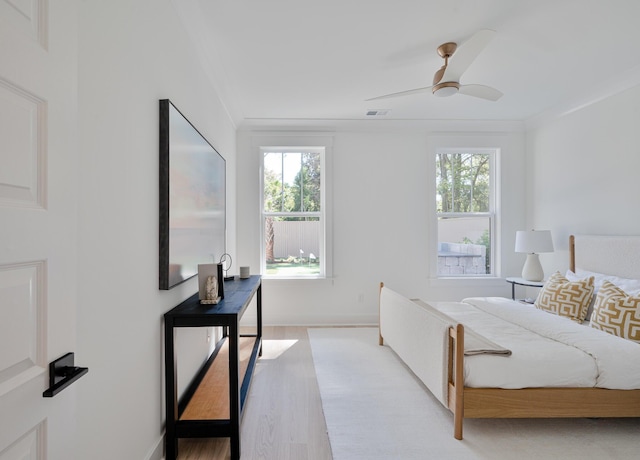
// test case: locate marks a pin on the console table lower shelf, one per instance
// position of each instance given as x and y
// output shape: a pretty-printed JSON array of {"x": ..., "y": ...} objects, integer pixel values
[{"x": 210, "y": 401}]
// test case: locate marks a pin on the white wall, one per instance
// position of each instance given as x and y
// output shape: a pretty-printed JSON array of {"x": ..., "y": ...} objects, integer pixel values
[
  {"x": 584, "y": 170},
  {"x": 380, "y": 188},
  {"x": 131, "y": 54}
]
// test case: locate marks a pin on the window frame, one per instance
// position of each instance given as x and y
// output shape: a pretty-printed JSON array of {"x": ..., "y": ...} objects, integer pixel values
[
  {"x": 492, "y": 214},
  {"x": 322, "y": 215}
]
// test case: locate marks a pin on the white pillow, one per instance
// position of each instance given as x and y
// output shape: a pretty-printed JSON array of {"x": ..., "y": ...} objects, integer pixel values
[{"x": 628, "y": 285}]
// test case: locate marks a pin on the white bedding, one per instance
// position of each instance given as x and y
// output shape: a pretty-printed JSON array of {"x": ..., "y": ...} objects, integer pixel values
[{"x": 547, "y": 350}]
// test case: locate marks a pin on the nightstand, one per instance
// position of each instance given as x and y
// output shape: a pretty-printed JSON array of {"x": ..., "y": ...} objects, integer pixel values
[{"x": 521, "y": 282}]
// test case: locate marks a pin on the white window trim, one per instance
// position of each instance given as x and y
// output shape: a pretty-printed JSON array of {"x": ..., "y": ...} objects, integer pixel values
[
  {"x": 297, "y": 143},
  {"x": 495, "y": 213}
]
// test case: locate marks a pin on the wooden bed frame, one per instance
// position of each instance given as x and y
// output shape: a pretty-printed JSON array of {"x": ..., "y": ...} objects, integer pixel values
[{"x": 467, "y": 402}]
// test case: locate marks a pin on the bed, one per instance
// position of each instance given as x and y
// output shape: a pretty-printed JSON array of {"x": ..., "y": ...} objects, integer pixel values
[{"x": 569, "y": 369}]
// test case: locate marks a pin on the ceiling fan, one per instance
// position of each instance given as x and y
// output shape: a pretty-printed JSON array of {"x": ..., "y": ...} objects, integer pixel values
[{"x": 446, "y": 81}]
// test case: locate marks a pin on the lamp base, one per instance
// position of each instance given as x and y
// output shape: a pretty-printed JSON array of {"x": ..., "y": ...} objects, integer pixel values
[{"x": 532, "y": 270}]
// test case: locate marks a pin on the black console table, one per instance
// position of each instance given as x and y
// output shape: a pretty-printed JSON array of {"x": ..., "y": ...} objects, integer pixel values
[{"x": 221, "y": 413}]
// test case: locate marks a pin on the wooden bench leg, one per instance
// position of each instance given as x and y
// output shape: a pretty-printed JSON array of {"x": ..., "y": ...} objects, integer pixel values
[{"x": 458, "y": 407}]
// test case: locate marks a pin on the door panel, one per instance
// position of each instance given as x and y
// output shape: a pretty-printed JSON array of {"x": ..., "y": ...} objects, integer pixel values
[
  {"x": 22, "y": 337},
  {"x": 22, "y": 123},
  {"x": 29, "y": 447},
  {"x": 29, "y": 18}
]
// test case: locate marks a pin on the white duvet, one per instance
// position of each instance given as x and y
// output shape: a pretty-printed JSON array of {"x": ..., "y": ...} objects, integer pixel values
[{"x": 547, "y": 350}]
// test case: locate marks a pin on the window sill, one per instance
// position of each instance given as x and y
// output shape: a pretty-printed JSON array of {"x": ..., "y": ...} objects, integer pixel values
[{"x": 296, "y": 280}]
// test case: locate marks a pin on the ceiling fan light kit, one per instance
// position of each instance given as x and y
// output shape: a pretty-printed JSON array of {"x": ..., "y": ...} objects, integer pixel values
[{"x": 448, "y": 88}]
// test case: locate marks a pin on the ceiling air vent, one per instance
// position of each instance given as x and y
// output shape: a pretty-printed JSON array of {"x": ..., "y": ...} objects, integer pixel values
[{"x": 378, "y": 113}]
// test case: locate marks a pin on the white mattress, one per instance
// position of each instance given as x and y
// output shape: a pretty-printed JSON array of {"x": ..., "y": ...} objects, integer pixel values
[{"x": 547, "y": 350}]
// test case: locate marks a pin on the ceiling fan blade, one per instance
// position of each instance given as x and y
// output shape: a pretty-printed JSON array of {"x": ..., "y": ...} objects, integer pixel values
[
  {"x": 481, "y": 91},
  {"x": 466, "y": 54},
  {"x": 402, "y": 93}
]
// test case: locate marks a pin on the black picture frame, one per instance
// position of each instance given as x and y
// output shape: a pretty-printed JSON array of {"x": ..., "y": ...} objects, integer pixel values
[{"x": 192, "y": 214}]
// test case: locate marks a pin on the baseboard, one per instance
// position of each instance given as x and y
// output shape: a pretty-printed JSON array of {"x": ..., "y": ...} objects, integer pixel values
[{"x": 157, "y": 452}]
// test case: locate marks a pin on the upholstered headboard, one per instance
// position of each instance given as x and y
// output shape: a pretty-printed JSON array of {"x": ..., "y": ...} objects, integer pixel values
[{"x": 611, "y": 255}]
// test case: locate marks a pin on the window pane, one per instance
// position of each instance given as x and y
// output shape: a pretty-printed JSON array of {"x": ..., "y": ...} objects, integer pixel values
[
  {"x": 276, "y": 193},
  {"x": 292, "y": 182},
  {"x": 464, "y": 246},
  {"x": 292, "y": 246},
  {"x": 463, "y": 182}
]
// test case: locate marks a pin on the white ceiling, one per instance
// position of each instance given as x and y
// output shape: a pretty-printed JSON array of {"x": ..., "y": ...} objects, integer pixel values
[{"x": 319, "y": 60}]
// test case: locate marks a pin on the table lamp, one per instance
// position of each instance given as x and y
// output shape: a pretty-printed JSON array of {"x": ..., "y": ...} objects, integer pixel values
[{"x": 532, "y": 243}]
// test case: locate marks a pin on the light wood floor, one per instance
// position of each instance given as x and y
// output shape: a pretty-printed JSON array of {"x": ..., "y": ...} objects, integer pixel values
[{"x": 283, "y": 417}]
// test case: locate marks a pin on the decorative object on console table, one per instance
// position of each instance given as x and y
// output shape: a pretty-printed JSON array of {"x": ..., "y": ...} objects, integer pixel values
[
  {"x": 522, "y": 282},
  {"x": 245, "y": 272},
  {"x": 209, "y": 280},
  {"x": 532, "y": 243},
  {"x": 226, "y": 262},
  {"x": 220, "y": 281}
]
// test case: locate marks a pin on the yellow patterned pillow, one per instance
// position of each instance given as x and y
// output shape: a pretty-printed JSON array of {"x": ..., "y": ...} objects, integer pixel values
[
  {"x": 566, "y": 298},
  {"x": 616, "y": 312}
]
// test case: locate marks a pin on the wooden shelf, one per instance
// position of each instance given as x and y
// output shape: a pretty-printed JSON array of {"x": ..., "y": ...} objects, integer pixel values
[{"x": 211, "y": 399}]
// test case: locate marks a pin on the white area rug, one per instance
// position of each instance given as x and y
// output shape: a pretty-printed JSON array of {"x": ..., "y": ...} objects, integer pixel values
[{"x": 376, "y": 408}]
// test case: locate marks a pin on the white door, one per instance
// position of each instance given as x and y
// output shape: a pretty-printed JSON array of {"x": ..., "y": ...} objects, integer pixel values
[{"x": 38, "y": 287}]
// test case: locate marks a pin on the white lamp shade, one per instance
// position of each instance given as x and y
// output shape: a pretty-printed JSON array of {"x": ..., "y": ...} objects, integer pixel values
[{"x": 534, "y": 241}]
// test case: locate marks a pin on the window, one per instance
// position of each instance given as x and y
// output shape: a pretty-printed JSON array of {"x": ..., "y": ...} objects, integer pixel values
[
  {"x": 293, "y": 212},
  {"x": 465, "y": 208}
]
